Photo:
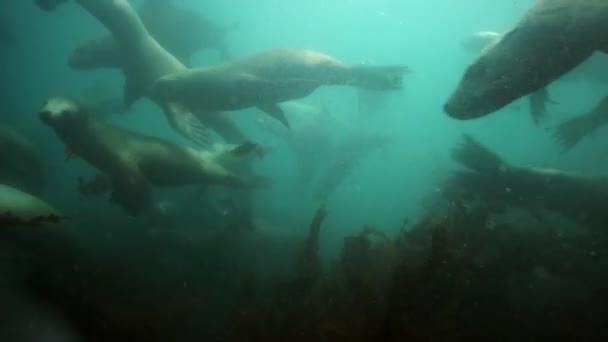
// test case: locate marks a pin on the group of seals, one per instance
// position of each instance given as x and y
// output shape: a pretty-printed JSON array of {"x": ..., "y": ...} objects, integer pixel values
[
  {"x": 143, "y": 61},
  {"x": 189, "y": 96},
  {"x": 134, "y": 162},
  {"x": 553, "y": 37},
  {"x": 267, "y": 78}
]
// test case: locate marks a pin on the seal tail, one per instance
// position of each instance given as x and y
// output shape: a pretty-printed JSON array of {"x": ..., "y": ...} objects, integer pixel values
[
  {"x": 571, "y": 132},
  {"x": 379, "y": 77},
  {"x": 477, "y": 157}
]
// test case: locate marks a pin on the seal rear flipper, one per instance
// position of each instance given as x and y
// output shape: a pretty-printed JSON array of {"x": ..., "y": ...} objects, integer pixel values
[
  {"x": 276, "y": 112},
  {"x": 378, "y": 77},
  {"x": 477, "y": 157},
  {"x": 571, "y": 132},
  {"x": 187, "y": 124}
]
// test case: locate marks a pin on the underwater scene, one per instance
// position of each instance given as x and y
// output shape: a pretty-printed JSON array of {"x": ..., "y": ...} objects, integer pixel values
[{"x": 320, "y": 170}]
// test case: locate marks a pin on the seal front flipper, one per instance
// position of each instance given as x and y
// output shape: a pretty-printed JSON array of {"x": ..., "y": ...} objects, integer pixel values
[
  {"x": 131, "y": 192},
  {"x": 276, "y": 112},
  {"x": 538, "y": 104},
  {"x": 571, "y": 132},
  {"x": 187, "y": 124}
]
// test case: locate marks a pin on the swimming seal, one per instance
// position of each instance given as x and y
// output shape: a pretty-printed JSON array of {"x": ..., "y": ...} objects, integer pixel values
[
  {"x": 134, "y": 162},
  {"x": 552, "y": 38},
  {"x": 267, "y": 78},
  {"x": 579, "y": 197}
]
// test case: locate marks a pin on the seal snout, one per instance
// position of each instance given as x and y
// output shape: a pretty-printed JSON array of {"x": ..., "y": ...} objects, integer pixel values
[{"x": 56, "y": 108}]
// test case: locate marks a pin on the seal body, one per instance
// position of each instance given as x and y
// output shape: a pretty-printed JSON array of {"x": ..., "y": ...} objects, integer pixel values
[
  {"x": 552, "y": 38},
  {"x": 267, "y": 78},
  {"x": 134, "y": 162}
]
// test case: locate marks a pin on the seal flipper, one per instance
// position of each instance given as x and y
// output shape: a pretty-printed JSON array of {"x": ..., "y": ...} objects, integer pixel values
[
  {"x": 571, "y": 132},
  {"x": 187, "y": 124},
  {"x": 538, "y": 104},
  {"x": 276, "y": 112},
  {"x": 477, "y": 157}
]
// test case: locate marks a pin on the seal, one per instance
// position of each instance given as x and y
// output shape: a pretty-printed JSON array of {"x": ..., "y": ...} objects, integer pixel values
[
  {"x": 267, "y": 78},
  {"x": 144, "y": 60},
  {"x": 552, "y": 38},
  {"x": 19, "y": 208},
  {"x": 135, "y": 162},
  {"x": 21, "y": 163}
]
